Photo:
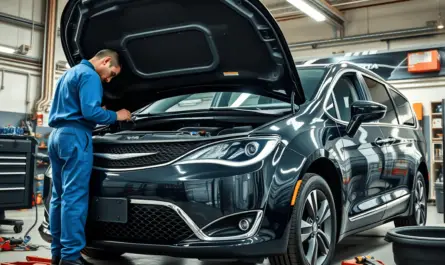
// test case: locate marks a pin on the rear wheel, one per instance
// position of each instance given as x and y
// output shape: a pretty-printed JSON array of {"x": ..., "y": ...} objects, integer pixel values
[
  {"x": 101, "y": 254},
  {"x": 419, "y": 214},
  {"x": 313, "y": 233}
]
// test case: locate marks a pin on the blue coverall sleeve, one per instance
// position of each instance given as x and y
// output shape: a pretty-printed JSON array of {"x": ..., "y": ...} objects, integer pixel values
[{"x": 90, "y": 94}]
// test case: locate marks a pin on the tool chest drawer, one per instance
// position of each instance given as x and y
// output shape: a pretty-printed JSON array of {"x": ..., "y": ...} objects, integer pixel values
[
  {"x": 17, "y": 166},
  {"x": 12, "y": 197},
  {"x": 12, "y": 168}
]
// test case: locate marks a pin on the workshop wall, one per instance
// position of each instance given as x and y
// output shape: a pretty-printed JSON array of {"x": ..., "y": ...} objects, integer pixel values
[
  {"x": 13, "y": 35},
  {"x": 20, "y": 82},
  {"x": 403, "y": 15}
]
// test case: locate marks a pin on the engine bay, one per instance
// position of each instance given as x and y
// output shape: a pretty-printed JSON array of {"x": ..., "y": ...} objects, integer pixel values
[
  {"x": 186, "y": 132},
  {"x": 184, "y": 127}
]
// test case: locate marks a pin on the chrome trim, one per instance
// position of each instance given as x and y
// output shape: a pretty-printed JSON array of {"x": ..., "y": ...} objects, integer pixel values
[
  {"x": 368, "y": 213},
  {"x": 198, "y": 231},
  {"x": 13, "y": 164},
  {"x": 271, "y": 137},
  {"x": 11, "y": 189},
  {"x": 380, "y": 208},
  {"x": 12, "y": 157},
  {"x": 402, "y": 199},
  {"x": 230, "y": 215},
  {"x": 12, "y": 173},
  {"x": 122, "y": 156}
]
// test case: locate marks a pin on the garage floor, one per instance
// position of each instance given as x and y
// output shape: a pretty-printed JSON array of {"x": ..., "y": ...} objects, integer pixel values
[{"x": 370, "y": 242}]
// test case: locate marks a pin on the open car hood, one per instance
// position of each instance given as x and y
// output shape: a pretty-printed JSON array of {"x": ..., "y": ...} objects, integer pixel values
[{"x": 173, "y": 47}]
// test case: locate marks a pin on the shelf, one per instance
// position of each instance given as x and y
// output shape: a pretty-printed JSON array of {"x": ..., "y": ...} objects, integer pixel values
[{"x": 436, "y": 145}]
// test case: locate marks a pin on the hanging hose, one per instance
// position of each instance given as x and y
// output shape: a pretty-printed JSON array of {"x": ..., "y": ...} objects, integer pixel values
[{"x": 27, "y": 238}]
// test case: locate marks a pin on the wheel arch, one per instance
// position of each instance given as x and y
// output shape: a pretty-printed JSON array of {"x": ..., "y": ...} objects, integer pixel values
[
  {"x": 319, "y": 163},
  {"x": 423, "y": 168}
]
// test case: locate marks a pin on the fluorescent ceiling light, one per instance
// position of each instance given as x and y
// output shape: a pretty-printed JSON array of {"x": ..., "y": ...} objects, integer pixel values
[
  {"x": 308, "y": 10},
  {"x": 6, "y": 49}
]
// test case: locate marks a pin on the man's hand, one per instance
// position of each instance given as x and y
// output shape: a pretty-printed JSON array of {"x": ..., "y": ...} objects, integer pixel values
[{"x": 123, "y": 115}]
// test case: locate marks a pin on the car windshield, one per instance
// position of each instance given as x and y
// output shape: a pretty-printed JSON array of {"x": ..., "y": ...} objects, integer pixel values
[{"x": 310, "y": 80}]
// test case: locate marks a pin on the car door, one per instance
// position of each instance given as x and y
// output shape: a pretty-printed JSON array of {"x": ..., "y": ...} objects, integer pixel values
[
  {"x": 362, "y": 161},
  {"x": 399, "y": 138}
]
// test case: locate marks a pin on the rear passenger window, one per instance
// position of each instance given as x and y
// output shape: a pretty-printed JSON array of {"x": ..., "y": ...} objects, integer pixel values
[
  {"x": 406, "y": 116},
  {"x": 379, "y": 94}
]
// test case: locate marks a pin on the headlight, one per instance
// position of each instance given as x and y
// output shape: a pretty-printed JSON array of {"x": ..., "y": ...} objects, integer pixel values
[{"x": 235, "y": 152}]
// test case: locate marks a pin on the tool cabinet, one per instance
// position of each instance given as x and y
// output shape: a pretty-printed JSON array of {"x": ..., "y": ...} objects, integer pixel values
[{"x": 17, "y": 166}]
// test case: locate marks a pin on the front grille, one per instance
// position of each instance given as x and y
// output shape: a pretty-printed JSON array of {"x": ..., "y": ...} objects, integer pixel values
[
  {"x": 164, "y": 152},
  {"x": 150, "y": 224}
]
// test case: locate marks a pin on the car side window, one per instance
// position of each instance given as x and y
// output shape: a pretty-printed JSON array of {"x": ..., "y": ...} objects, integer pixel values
[
  {"x": 345, "y": 93},
  {"x": 331, "y": 108},
  {"x": 379, "y": 94},
  {"x": 406, "y": 116}
]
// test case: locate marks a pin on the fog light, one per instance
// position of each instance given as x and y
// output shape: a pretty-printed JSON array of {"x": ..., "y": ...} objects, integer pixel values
[
  {"x": 252, "y": 148},
  {"x": 244, "y": 225}
]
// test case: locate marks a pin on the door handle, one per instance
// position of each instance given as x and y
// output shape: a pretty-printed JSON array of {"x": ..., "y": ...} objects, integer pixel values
[
  {"x": 379, "y": 141},
  {"x": 391, "y": 140}
]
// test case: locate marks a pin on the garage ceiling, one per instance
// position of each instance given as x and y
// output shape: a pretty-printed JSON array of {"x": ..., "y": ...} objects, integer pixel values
[{"x": 283, "y": 10}]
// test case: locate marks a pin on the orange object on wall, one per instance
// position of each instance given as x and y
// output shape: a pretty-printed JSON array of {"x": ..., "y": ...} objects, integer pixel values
[
  {"x": 426, "y": 61},
  {"x": 418, "y": 109},
  {"x": 39, "y": 119}
]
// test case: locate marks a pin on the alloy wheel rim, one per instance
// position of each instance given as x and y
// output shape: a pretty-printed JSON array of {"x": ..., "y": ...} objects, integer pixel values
[
  {"x": 419, "y": 203},
  {"x": 316, "y": 228}
]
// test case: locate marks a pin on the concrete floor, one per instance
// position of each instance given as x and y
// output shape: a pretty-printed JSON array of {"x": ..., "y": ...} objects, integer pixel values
[{"x": 368, "y": 243}]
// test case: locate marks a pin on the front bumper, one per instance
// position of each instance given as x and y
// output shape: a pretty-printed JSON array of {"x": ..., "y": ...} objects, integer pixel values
[
  {"x": 267, "y": 236},
  {"x": 190, "y": 215},
  {"x": 260, "y": 246}
]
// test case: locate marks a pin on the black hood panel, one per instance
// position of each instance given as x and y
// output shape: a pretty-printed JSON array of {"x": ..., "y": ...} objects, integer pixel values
[{"x": 171, "y": 47}]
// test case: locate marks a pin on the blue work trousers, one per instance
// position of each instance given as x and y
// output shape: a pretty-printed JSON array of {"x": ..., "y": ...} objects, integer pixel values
[{"x": 70, "y": 151}]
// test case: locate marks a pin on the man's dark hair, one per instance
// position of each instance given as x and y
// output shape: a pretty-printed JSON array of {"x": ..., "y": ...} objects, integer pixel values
[{"x": 107, "y": 52}]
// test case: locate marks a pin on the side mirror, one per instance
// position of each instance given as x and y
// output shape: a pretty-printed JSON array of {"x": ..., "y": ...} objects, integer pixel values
[{"x": 364, "y": 111}]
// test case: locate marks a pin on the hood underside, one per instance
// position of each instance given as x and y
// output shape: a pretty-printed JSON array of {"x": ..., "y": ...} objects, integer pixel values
[{"x": 172, "y": 47}]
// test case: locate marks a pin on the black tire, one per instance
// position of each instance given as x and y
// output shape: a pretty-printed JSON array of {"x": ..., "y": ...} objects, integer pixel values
[
  {"x": 101, "y": 254},
  {"x": 411, "y": 220},
  {"x": 296, "y": 248}
]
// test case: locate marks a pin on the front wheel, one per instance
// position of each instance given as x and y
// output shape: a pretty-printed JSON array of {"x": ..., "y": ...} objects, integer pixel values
[
  {"x": 419, "y": 205},
  {"x": 313, "y": 233}
]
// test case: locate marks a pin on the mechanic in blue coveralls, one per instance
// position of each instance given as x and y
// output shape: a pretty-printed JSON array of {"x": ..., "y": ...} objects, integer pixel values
[{"x": 75, "y": 112}]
